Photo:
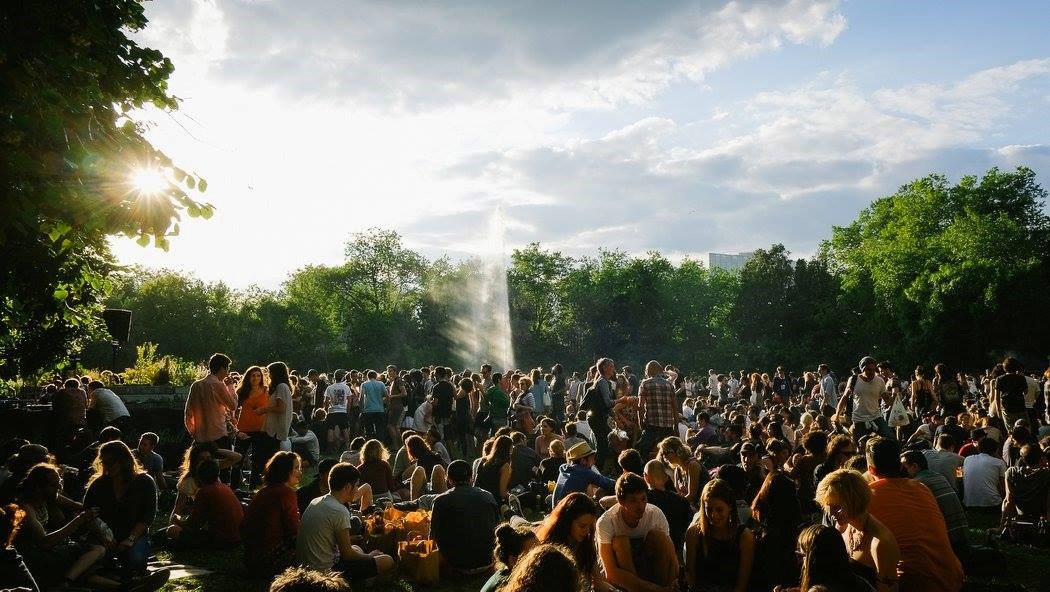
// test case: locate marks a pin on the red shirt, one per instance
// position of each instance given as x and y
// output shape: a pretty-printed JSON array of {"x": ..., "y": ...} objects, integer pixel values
[
  {"x": 217, "y": 511},
  {"x": 272, "y": 518}
]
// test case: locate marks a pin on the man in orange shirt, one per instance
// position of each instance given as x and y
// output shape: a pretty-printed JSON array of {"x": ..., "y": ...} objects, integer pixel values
[{"x": 910, "y": 511}]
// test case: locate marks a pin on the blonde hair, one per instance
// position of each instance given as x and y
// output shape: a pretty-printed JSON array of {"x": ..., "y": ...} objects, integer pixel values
[
  {"x": 556, "y": 447},
  {"x": 845, "y": 488},
  {"x": 374, "y": 450},
  {"x": 672, "y": 445}
]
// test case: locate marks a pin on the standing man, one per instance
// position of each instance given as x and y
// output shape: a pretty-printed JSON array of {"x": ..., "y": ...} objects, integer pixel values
[
  {"x": 68, "y": 412},
  {"x": 211, "y": 404},
  {"x": 782, "y": 385},
  {"x": 712, "y": 383},
  {"x": 373, "y": 414},
  {"x": 598, "y": 416},
  {"x": 336, "y": 398},
  {"x": 1010, "y": 391},
  {"x": 829, "y": 390},
  {"x": 867, "y": 390},
  {"x": 559, "y": 387},
  {"x": 499, "y": 400},
  {"x": 395, "y": 404},
  {"x": 110, "y": 410},
  {"x": 657, "y": 409}
]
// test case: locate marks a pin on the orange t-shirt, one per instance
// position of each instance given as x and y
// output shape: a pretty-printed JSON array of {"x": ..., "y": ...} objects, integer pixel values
[
  {"x": 910, "y": 511},
  {"x": 249, "y": 421}
]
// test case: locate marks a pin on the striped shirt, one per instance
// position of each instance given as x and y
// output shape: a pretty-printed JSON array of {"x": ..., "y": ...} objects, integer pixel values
[{"x": 948, "y": 502}]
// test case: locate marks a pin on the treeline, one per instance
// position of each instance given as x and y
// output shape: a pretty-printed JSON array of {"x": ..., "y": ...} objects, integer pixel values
[{"x": 935, "y": 272}]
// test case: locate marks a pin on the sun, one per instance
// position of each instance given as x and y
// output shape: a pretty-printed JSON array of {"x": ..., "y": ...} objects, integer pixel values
[{"x": 148, "y": 181}]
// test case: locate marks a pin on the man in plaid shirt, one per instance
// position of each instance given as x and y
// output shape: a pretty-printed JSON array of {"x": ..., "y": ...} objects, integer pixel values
[{"x": 657, "y": 409}]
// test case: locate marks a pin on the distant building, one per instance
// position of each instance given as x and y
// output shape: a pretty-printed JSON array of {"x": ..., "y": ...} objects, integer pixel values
[{"x": 728, "y": 261}]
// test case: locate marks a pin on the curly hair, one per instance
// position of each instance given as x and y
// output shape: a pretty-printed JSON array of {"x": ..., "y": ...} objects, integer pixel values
[{"x": 546, "y": 568}]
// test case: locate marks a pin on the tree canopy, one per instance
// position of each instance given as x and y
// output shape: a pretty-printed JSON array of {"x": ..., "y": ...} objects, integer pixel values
[
  {"x": 71, "y": 83},
  {"x": 934, "y": 272}
]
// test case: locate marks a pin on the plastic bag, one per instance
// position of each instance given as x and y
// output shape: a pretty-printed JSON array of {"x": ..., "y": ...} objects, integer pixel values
[{"x": 898, "y": 414}]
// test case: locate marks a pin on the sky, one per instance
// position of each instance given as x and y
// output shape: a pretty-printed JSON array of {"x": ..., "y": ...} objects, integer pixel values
[{"x": 682, "y": 127}]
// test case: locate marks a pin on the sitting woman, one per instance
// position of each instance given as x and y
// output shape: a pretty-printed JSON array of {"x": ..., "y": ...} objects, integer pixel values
[
  {"x": 493, "y": 473},
  {"x": 271, "y": 521},
  {"x": 825, "y": 563},
  {"x": 376, "y": 472},
  {"x": 874, "y": 554},
  {"x": 126, "y": 498},
  {"x": 215, "y": 519},
  {"x": 719, "y": 551},
  {"x": 187, "y": 485},
  {"x": 511, "y": 543},
  {"x": 352, "y": 454},
  {"x": 571, "y": 525},
  {"x": 555, "y": 459},
  {"x": 54, "y": 556},
  {"x": 547, "y": 436},
  {"x": 689, "y": 474},
  {"x": 433, "y": 439},
  {"x": 428, "y": 467}
]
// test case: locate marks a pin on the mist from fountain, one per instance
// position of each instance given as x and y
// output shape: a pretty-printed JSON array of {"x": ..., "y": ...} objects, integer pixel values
[{"x": 480, "y": 329}]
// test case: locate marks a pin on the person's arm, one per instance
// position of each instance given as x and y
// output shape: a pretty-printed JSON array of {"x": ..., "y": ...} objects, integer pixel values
[
  {"x": 694, "y": 481},
  {"x": 692, "y": 541},
  {"x": 290, "y": 515},
  {"x": 622, "y": 578},
  {"x": 49, "y": 539},
  {"x": 504, "y": 481},
  {"x": 1010, "y": 508},
  {"x": 747, "y": 557},
  {"x": 840, "y": 409},
  {"x": 346, "y": 548},
  {"x": 886, "y": 554},
  {"x": 181, "y": 502}
]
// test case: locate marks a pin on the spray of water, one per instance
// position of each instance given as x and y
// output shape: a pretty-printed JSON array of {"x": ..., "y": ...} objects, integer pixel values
[{"x": 481, "y": 322}]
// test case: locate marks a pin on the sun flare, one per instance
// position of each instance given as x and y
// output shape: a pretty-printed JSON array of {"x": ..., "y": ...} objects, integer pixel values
[{"x": 148, "y": 181}]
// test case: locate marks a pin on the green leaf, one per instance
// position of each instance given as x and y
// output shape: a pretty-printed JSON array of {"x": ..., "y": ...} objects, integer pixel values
[
  {"x": 207, "y": 211},
  {"x": 60, "y": 293},
  {"x": 143, "y": 240},
  {"x": 191, "y": 182},
  {"x": 202, "y": 185}
]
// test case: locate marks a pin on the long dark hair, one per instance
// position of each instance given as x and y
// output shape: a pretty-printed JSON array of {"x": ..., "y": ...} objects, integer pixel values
[
  {"x": 278, "y": 375},
  {"x": 245, "y": 388},
  {"x": 558, "y": 526},
  {"x": 499, "y": 453},
  {"x": 826, "y": 561}
]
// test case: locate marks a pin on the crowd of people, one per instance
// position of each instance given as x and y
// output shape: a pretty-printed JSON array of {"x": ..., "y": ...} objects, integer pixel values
[{"x": 598, "y": 480}]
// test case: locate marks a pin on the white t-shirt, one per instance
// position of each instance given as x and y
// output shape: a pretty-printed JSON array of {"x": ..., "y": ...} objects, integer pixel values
[
  {"x": 108, "y": 404},
  {"x": 712, "y": 384},
  {"x": 611, "y": 525},
  {"x": 316, "y": 546},
  {"x": 734, "y": 386},
  {"x": 420, "y": 416},
  {"x": 335, "y": 396},
  {"x": 866, "y": 397},
  {"x": 277, "y": 424},
  {"x": 981, "y": 475}
]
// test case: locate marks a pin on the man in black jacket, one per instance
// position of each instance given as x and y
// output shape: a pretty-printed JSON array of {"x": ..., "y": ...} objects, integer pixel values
[{"x": 463, "y": 523}]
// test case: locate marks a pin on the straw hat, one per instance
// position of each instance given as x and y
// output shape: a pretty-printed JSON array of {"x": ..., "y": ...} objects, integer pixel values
[{"x": 578, "y": 451}]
